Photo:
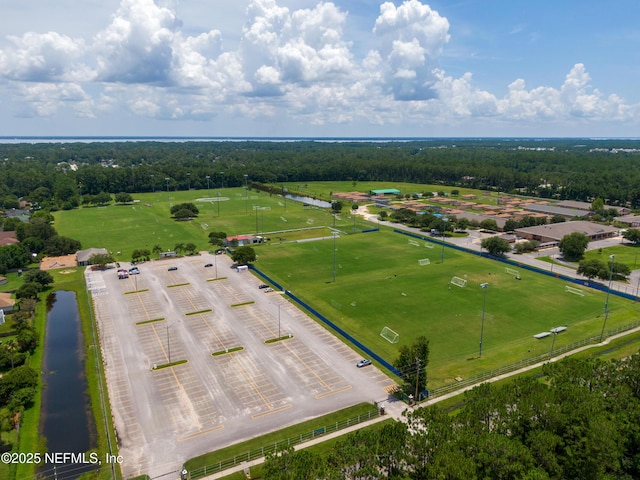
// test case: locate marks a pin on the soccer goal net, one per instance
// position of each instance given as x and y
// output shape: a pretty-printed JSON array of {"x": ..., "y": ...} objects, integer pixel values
[
  {"x": 575, "y": 291},
  {"x": 424, "y": 261},
  {"x": 389, "y": 335},
  {"x": 512, "y": 271},
  {"x": 458, "y": 282}
]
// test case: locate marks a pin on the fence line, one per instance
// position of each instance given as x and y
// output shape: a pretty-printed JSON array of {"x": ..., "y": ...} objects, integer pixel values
[
  {"x": 481, "y": 377},
  {"x": 328, "y": 322},
  {"x": 290, "y": 442}
]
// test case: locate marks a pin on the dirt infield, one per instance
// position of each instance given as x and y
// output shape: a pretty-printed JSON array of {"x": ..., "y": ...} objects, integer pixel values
[{"x": 51, "y": 263}]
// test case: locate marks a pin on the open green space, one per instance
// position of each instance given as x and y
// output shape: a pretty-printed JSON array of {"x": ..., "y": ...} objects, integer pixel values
[
  {"x": 379, "y": 282},
  {"x": 625, "y": 253},
  {"x": 147, "y": 222}
]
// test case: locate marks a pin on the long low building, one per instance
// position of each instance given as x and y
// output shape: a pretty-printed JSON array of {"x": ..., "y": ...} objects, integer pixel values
[{"x": 554, "y": 232}]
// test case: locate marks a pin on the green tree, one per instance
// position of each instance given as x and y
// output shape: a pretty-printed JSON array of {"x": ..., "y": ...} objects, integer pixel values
[
  {"x": 41, "y": 277},
  {"x": 16, "y": 379},
  {"x": 217, "y": 238},
  {"x": 573, "y": 246},
  {"x": 592, "y": 268},
  {"x": 183, "y": 214},
  {"x": 244, "y": 255},
  {"x": 101, "y": 259},
  {"x": 191, "y": 248},
  {"x": 633, "y": 235},
  {"x": 157, "y": 249},
  {"x": 489, "y": 224},
  {"x": 190, "y": 207},
  {"x": 495, "y": 245},
  {"x": 123, "y": 197},
  {"x": 28, "y": 290},
  {"x": 412, "y": 363}
]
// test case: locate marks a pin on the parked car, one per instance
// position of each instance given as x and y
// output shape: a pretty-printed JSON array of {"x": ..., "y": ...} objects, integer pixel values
[
  {"x": 171, "y": 269},
  {"x": 263, "y": 285},
  {"x": 220, "y": 251},
  {"x": 363, "y": 363},
  {"x": 134, "y": 271},
  {"x": 208, "y": 265}
]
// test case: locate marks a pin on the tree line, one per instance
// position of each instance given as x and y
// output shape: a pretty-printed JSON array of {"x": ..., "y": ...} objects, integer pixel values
[
  {"x": 582, "y": 420},
  {"x": 59, "y": 175}
]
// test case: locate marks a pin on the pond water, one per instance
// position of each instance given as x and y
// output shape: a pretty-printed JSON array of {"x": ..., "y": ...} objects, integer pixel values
[
  {"x": 311, "y": 201},
  {"x": 65, "y": 417}
]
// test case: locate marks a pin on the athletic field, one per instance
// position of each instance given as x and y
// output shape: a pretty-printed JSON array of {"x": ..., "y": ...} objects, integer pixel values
[
  {"x": 379, "y": 277},
  {"x": 380, "y": 282}
]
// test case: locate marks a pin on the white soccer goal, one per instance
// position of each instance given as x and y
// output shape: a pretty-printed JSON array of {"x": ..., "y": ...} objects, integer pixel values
[
  {"x": 389, "y": 335},
  {"x": 428, "y": 245},
  {"x": 458, "y": 282},
  {"x": 424, "y": 261},
  {"x": 575, "y": 291},
  {"x": 414, "y": 243},
  {"x": 512, "y": 271}
]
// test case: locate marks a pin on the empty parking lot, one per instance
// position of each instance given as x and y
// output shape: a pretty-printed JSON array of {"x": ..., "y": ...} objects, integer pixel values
[{"x": 225, "y": 383}]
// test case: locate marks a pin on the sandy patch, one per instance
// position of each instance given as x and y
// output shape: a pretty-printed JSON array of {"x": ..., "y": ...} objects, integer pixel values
[{"x": 51, "y": 263}]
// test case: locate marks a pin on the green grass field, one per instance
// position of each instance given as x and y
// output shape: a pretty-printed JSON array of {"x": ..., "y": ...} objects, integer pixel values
[
  {"x": 379, "y": 281},
  {"x": 146, "y": 223}
]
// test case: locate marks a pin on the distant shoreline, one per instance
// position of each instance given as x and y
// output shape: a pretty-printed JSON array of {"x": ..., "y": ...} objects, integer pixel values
[{"x": 179, "y": 139}]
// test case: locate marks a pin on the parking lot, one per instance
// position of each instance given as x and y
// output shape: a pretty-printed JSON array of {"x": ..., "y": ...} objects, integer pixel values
[{"x": 190, "y": 368}]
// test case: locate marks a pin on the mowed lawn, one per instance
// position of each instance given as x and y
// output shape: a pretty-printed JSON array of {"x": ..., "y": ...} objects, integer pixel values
[
  {"x": 147, "y": 222},
  {"x": 379, "y": 283}
]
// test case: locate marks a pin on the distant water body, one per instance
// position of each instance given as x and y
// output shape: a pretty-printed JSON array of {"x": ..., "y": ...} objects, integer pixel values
[
  {"x": 80, "y": 139},
  {"x": 7, "y": 139}
]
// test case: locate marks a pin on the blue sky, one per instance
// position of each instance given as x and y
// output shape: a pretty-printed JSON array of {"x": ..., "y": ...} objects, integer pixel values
[{"x": 354, "y": 68}]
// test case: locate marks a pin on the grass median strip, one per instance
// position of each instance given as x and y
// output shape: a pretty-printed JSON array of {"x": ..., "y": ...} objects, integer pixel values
[
  {"x": 167, "y": 365},
  {"x": 178, "y": 285},
  {"x": 199, "y": 312},
  {"x": 278, "y": 339},
  {"x": 234, "y": 305},
  {"x": 227, "y": 350},
  {"x": 136, "y": 291},
  {"x": 153, "y": 320},
  {"x": 216, "y": 279}
]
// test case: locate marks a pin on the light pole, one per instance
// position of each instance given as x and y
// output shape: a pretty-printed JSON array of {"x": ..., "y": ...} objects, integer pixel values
[
  {"x": 256, "y": 208},
  {"x": 553, "y": 341},
  {"x": 484, "y": 304},
  {"x": 153, "y": 183},
  {"x": 167, "y": 180},
  {"x": 444, "y": 229},
  {"x": 189, "y": 179},
  {"x": 606, "y": 301},
  {"x": 208, "y": 177},
  {"x": 215, "y": 261},
  {"x": 335, "y": 235},
  {"x": 246, "y": 201}
]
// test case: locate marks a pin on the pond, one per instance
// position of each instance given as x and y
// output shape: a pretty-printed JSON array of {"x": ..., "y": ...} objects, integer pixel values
[
  {"x": 65, "y": 416},
  {"x": 311, "y": 201}
]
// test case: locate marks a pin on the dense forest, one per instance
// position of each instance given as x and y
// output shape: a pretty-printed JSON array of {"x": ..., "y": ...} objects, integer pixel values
[
  {"x": 580, "y": 421},
  {"x": 57, "y": 174}
]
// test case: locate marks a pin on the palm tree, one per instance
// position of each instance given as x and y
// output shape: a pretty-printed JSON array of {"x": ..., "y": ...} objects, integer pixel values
[
  {"x": 157, "y": 249},
  {"x": 179, "y": 248},
  {"x": 11, "y": 347}
]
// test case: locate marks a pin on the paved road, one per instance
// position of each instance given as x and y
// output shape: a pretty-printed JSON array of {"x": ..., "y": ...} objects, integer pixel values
[
  {"x": 164, "y": 416},
  {"x": 473, "y": 241}
]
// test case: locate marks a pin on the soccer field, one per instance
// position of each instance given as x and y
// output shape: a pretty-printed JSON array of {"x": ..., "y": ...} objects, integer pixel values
[{"x": 380, "y": 282}]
